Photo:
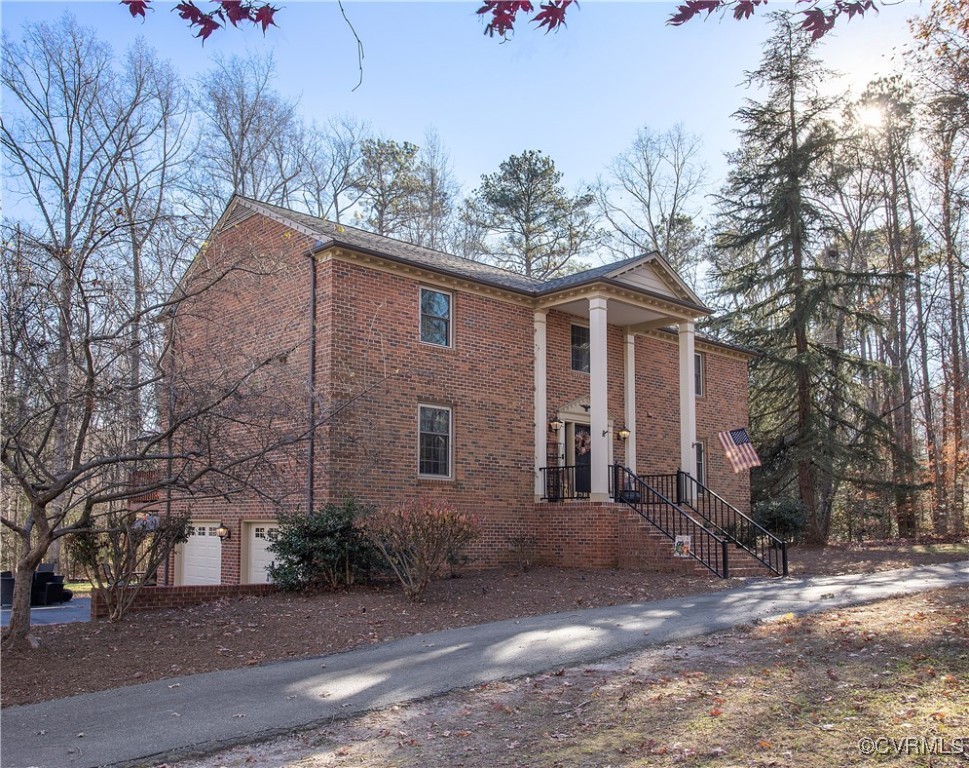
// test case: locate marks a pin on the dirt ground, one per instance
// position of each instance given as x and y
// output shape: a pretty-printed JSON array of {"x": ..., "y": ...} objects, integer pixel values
[
  {"x": 79, "y": 658},
  {"x": 881, "y": 684}
]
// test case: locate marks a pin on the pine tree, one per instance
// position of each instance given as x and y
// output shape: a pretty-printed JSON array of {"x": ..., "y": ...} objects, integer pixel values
[
  {"x": 786, "y": 286},
  {"x": 530, "y": 223}
]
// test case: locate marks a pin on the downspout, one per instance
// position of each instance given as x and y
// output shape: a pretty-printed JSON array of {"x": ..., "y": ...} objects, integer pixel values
[
  {"x": 311, "y": 401},
  {"x": 169, "y": 442}
]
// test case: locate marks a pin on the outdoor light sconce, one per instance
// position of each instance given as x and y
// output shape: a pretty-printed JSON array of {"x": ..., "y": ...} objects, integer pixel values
[
  {"x": 555, "y": 425},
  {"x": 624, "y": 434},
  {"x": 223, "y": 531}
]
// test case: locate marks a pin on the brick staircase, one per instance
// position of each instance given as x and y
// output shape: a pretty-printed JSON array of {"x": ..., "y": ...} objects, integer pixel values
[
  {"x": 643, "y": 546},
  {"x": 723, "y": 541}
]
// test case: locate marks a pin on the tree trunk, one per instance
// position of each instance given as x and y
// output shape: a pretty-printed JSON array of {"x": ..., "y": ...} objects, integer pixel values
[{"x": 17, "y": 634}]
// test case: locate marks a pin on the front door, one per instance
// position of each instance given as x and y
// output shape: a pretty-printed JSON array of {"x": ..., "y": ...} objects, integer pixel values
[{"x": 583, "y": 459}]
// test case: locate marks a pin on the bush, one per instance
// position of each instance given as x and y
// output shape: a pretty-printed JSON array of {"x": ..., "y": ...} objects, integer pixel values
[
  {"x": 785, "y": 517},
  {"x": 419, "y": 538},
  {"x": 324, "y": 549},
  {"x": 124, "y": 554}
]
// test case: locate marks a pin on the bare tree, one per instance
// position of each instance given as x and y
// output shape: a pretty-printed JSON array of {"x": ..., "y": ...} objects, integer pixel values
[
  {"x": 435, "y": 196},
  {"x": 651, "y": 197},
  {"x": 252, "y": 141},
  {"x": 88, "y": 152},
  {"x": 334, "y": 160}
]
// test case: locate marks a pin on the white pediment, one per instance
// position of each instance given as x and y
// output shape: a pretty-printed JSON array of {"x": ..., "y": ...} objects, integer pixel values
[{"x": 654, "y": 274}]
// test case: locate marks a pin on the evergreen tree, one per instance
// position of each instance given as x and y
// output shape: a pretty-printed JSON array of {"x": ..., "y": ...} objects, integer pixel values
[
  {"x": 531, "y": 225},
  {"x": 786, "y": 286}
]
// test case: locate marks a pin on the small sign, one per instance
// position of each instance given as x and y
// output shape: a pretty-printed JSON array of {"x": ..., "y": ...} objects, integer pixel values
[{"x": 681, "y": 546}]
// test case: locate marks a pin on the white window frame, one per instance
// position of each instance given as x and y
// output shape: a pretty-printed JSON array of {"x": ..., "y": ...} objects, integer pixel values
[
  {"x": 450, "y": 442},
  {"x": 700, "y": 460},
  {"x": 450, "y": 317},
  {"x": 700, "y": 374},
  {"x": 571, "y": 358}
]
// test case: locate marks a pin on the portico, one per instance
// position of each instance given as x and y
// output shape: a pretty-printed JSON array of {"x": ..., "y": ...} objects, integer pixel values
[{"x": 637, "y": 297}]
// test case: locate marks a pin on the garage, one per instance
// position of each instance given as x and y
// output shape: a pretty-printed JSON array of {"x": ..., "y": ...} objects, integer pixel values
[
  {"x": 201, "y": 555},
  {"x": 260, "y": 558}
]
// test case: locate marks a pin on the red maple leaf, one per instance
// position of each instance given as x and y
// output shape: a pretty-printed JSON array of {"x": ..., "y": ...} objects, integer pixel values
[
  {"x": 745, "y": 8},
  {"x": 818, "y": 23},
  {"x": 136, "y": 7},
  {"x": 552, "y": 14},
  {"x": 859, "y": 7},
  {"x": 692, "y": 7},
  {"x": 189, "y": 12},
  {"x": 264, "y": 17},
  {"x": 236, "y": 11},
  {"x": 207, "y": 25},
  {"x": 503, "y": 13}
]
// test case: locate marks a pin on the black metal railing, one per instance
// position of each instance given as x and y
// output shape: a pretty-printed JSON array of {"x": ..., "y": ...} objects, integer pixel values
[
  {"x": 563, "y": 483},
  {"x": 728, "y": 521},
  {"x": 657, "y": 508}
]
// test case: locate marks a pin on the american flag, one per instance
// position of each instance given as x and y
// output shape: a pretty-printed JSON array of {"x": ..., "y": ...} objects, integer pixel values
[{"x": 736, "y": 444}]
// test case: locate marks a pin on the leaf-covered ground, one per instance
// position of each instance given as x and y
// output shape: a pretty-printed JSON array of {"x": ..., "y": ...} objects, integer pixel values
[
  {"x": 78, "y": 658},
  {"x": 882, "y": 684}
]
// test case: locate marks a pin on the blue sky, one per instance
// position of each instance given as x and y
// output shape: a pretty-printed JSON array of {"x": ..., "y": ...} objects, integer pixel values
[{"x": 578, "y": 95}]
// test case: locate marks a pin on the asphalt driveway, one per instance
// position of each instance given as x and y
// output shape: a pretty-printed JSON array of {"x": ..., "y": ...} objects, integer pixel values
[
  {"x": 198, "y": 714},
  {"x": 78, "y": 609}
]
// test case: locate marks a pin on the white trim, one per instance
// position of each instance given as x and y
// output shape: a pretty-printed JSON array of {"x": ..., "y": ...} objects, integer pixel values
[
  {"x": 420, "y": 317},
  {"x": 450, "y": 442},
  {"x": 541, "y": 399},
  {"x": 700, "y": 449},
  {"x": 579, "y": 324},
  {"x": 687, "y": 336},
  {"x": 629, "y": 395},
  {"x": 599, "y": 396},
  {"x": 700, "y": 373}
]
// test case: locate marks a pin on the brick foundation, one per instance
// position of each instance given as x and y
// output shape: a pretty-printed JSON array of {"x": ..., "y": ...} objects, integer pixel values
[{"x": 155, "y": 598}]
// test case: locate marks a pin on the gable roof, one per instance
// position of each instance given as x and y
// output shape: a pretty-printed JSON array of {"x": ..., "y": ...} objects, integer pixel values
[{"x": 648, "y": 274}]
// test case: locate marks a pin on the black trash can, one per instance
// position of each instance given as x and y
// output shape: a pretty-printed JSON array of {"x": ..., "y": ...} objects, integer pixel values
[{"x": 6, "y": 588}]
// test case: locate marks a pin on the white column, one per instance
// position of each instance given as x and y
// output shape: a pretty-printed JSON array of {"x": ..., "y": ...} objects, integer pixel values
[
  {"x": 541, "y": 400},
  {"x": 687, "y": 399},
  {"x": 630, "y": 399},
  {"x": 599, "y": 397}
]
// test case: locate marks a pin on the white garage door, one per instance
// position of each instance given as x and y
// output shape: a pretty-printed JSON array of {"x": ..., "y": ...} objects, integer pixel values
[
  {"x": 202, "y": 555},
  {"x": 260, "y": 558}
]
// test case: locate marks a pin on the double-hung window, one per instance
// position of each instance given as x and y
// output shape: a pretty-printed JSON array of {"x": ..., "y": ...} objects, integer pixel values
[
  {"x": 699, "y": 364},
  {"x": 434, "y": 441},
  {"x": 701, "y": 463},
  {"x": 580, "y": 348},
  {"x": 435, "y": 317}
]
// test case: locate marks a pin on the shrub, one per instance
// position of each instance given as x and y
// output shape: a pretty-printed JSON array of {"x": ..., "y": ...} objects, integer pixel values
[
  {"x": 784, "y": 517},
  {"x": 324, "y": 549},
  {"x": 418, "y": 538},
  {"x": 124, "y": 554}
]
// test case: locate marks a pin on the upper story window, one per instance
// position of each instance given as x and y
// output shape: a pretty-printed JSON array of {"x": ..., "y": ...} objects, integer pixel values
[
  {"x": 434, "y": 441},
  {"x": 435, "y": 317},
  {"x": 701, "y": 463},
  {"x": 699, "y": 373},
  {"x": 580, "y": 348}
]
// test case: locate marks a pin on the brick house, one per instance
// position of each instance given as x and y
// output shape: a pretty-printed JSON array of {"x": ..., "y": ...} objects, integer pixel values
[{"x": 432, "y": 374}]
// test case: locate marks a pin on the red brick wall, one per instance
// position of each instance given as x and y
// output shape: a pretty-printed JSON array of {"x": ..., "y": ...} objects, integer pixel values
[
  {"x": 373, "y": 373},
  {"x": 485, "y": 378},
  {"x": 723, "y": 407},
  {"x": 156, "y": 598},
  {"x": 247, "y": 311}
]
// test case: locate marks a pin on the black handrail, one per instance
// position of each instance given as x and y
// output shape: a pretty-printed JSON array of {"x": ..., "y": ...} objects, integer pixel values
[
  {"x": 731, "y": 523},
  {"x": 658, "y": 509},
  {"x": 562, "y": 483}
]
